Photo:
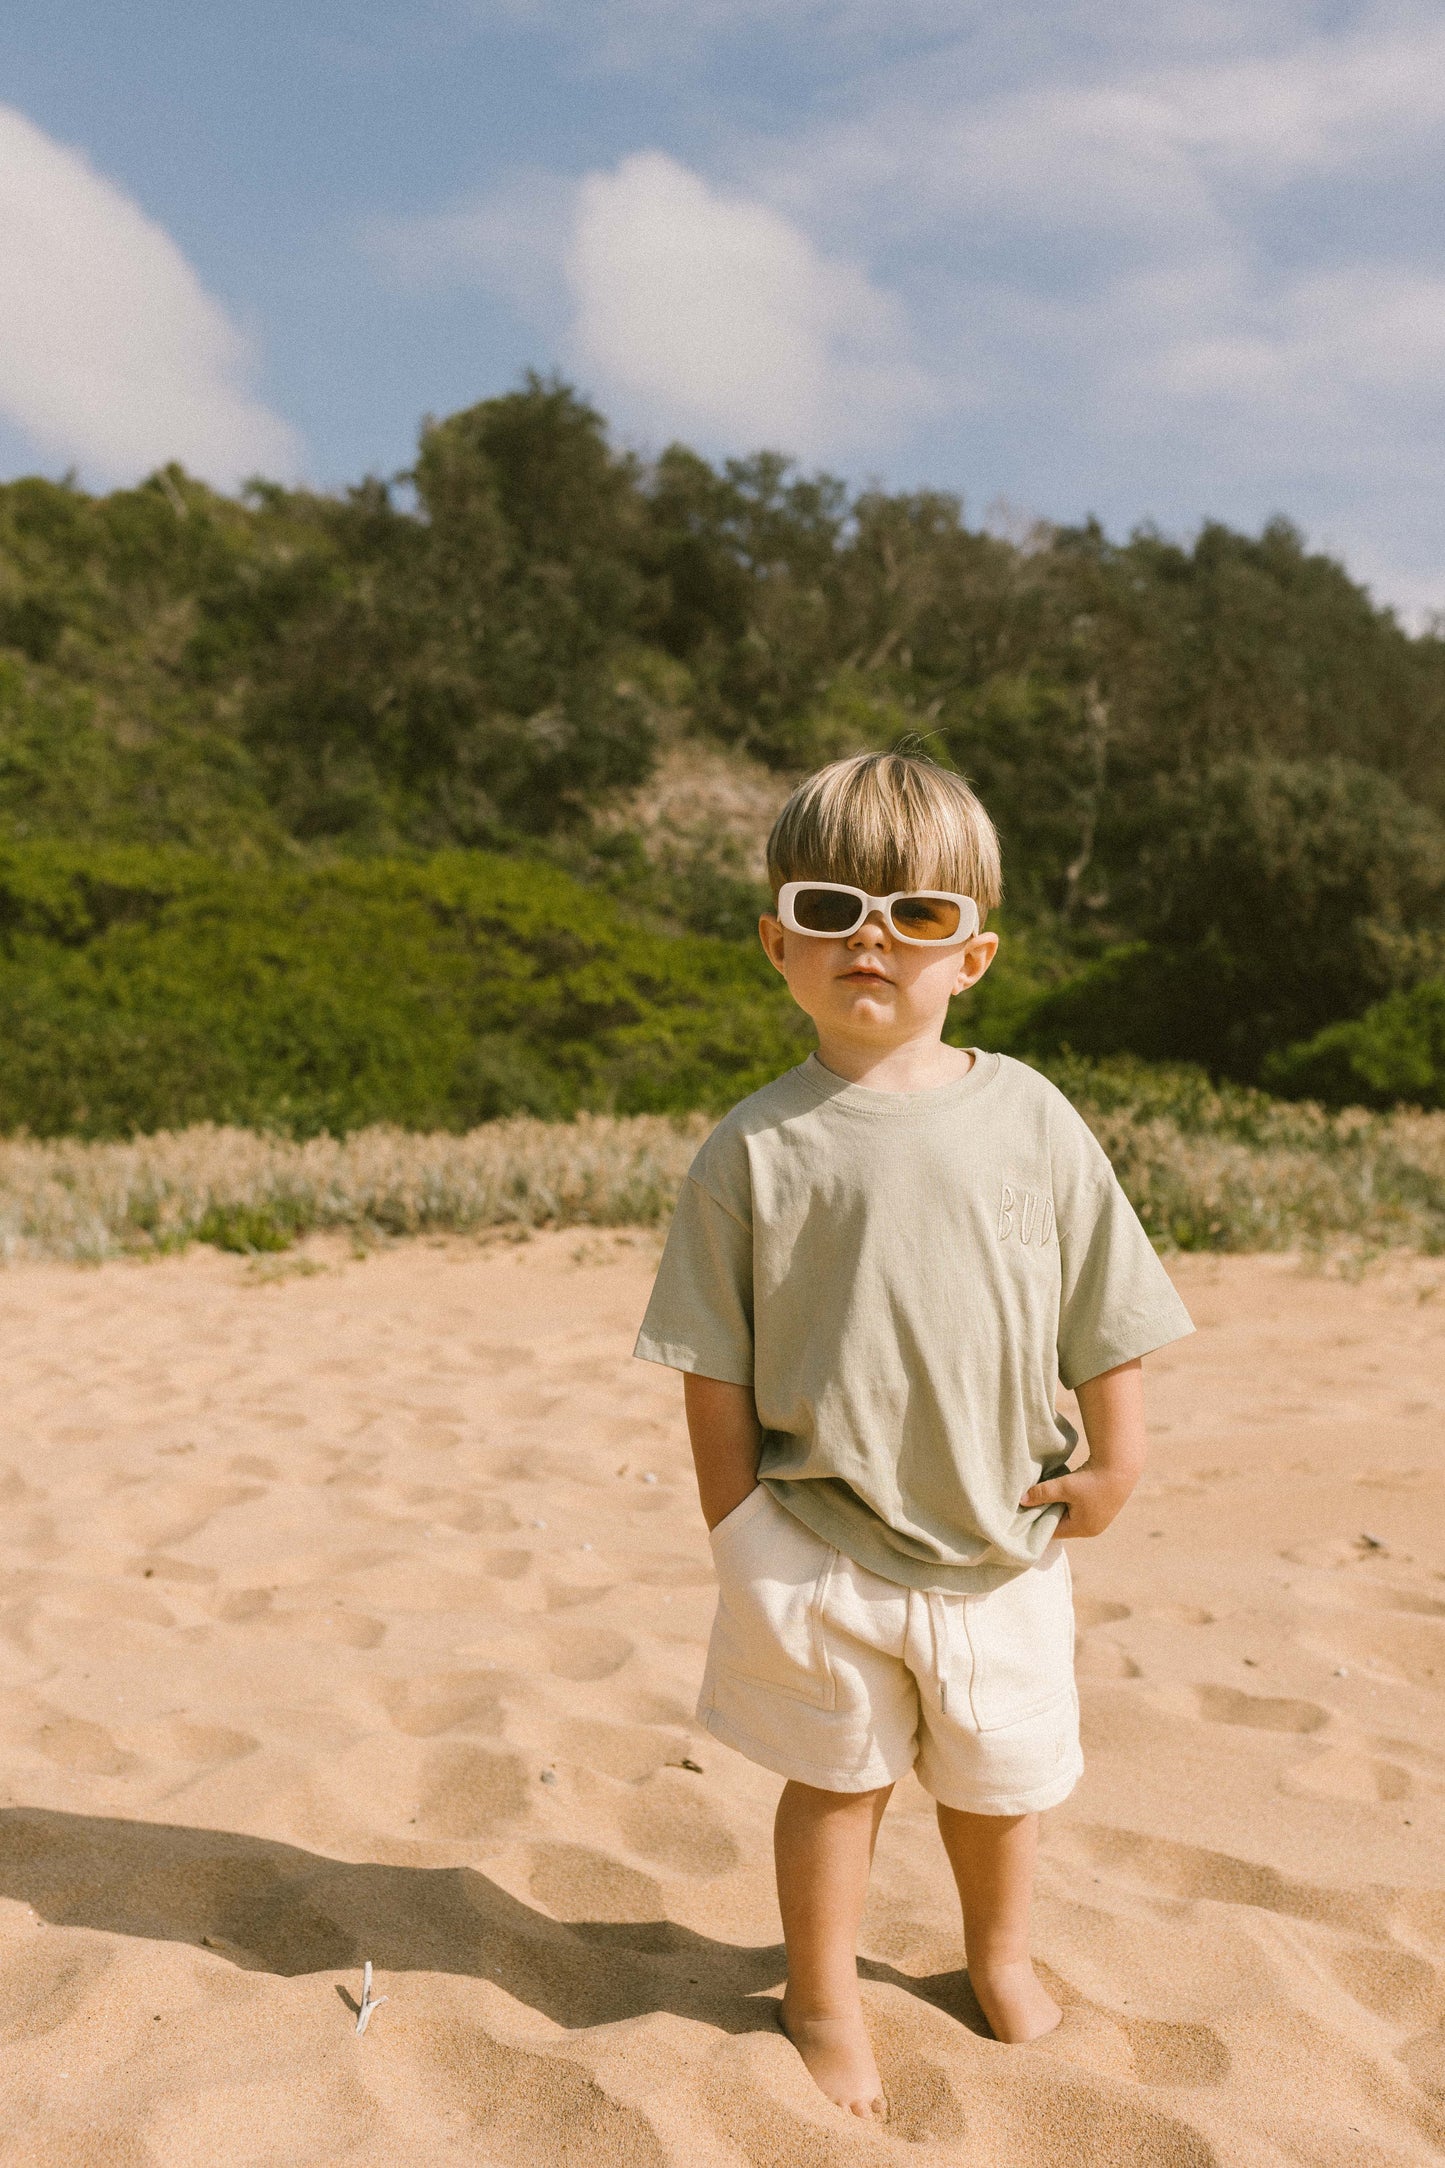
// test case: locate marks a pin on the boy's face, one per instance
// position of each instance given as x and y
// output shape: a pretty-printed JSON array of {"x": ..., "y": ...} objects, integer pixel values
[{"x": 867, "y": 988}]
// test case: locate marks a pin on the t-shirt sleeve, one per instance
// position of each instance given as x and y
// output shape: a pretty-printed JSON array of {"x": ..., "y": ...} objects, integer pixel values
[
  {"x": 1116, "y": 1300},
  {"x": 700, "y": 1317}
]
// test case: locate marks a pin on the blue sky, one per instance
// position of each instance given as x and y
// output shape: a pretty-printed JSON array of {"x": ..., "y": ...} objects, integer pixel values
[{"x": 1162, "y": 261}]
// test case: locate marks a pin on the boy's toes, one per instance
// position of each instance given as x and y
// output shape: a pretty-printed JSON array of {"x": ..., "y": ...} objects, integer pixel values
[{"x": 838, "y": 2057}]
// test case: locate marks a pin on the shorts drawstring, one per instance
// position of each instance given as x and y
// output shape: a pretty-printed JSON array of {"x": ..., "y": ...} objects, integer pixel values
[{"x": 935, "y": 1606}]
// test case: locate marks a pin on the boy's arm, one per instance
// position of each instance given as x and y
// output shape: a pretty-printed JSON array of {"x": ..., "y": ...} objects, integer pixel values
[
  {"x": 1112, "y": 1406},
  {"x": 722, "y": 1422}
]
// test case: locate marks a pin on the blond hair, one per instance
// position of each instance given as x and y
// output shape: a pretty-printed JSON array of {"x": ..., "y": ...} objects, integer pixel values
[{"x": 887, "y": 821}]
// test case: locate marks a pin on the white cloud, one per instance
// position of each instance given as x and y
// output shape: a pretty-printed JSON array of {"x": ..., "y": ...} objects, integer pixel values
[
  {"x": 1320, "y": 339},
  {"x": 1118, "y": 148},
  {"x": 112, "y": 354},
  {"x": 513, "y": 243},
  {"x": 710, "y": 312}
]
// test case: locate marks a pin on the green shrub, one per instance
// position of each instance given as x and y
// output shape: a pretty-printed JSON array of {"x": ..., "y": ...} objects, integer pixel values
[
  {"x": 1393, "y": 1054},
  {"x": 144, "y": 990}
]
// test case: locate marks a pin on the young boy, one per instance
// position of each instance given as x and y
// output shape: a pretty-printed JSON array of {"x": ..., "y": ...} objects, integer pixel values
[{"x": 880, "y": 1270}]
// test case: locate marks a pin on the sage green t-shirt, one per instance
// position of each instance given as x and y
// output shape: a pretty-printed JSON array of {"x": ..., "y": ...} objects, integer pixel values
[{"x": 904, "y": 1279}]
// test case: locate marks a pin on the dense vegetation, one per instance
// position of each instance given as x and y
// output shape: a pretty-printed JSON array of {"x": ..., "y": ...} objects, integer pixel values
[
  {"x": 299, "y": 794},
  {"x": 142, "y": 989}
]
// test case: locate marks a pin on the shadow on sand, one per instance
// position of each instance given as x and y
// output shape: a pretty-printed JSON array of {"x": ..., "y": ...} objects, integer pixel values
[{"x": 270, "y": 1907}]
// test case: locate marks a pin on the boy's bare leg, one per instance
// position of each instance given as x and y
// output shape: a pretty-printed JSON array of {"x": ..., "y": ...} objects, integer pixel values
[
  {"x": 992, "y": 1856},
  {"x": 823, "y": 1843}
]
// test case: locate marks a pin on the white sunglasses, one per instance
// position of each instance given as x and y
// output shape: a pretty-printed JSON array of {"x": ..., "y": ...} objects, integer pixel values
[{"x": 924, "y": 917}]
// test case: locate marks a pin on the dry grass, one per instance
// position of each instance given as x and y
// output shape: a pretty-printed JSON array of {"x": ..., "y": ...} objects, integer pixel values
[
  {"x": 1232, "y": 1173},
  {"x": 1359, "y": 1182},
  {"x": 255, "y": 1193}
]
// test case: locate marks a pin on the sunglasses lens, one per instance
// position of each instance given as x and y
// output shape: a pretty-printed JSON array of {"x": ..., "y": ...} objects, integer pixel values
[
  {"x": 825, "y": 910},
  {"x": 926, "y": 918}
]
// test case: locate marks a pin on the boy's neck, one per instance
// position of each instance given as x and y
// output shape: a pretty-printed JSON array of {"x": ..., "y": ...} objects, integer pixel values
[{"x": 914, "y": 1065}]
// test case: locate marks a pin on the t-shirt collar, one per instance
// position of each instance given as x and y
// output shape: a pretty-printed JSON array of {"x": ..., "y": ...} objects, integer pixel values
[{"x": 848, "y": 1098}]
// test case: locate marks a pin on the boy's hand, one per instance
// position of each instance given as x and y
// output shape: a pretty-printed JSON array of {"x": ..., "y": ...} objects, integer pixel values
[
  {"x": 1112, "y": 1406},
  {"x": 1090, "y": 1497}
]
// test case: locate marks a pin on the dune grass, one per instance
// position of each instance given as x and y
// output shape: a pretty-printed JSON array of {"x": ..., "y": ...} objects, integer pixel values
[
  {"x": 250, "y": 1192},
  {"x": 1207, "y": 1167}
]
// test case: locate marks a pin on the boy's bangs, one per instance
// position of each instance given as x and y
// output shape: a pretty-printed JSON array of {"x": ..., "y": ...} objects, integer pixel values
[
  {"x": 881, "y": 864},
  {"x": 884, "y": 822}
]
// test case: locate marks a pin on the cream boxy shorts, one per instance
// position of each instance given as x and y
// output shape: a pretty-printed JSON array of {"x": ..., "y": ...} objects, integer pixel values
[{"x": 829, "y": 1674}]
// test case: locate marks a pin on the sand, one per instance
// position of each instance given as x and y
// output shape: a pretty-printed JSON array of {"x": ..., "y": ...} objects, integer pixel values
[{"x": 357, "y": 1612}]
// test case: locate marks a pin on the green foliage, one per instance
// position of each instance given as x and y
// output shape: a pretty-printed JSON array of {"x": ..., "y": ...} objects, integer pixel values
[
  {"x": 252, "y": 1229},
  {"x": 141, "y": 990},
  {"x": 1274, "y": 896},
  {"x": 1394, "y": 1052}
]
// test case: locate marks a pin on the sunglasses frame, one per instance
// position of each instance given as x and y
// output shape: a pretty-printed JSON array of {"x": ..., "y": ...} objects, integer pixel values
[{"x": 968, "y": 915}]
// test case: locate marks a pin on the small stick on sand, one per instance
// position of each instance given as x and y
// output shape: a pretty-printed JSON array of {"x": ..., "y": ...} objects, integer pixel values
[{"x": 363, "y": 2015}]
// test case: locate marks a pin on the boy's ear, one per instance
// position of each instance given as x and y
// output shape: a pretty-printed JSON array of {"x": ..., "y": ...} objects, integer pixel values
[
  {"x": 977, "y": 955},
  {"x": 770, "y": 933}
]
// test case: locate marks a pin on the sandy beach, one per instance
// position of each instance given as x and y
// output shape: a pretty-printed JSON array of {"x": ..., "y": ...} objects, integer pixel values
[{"x": 356, "y": 1611}]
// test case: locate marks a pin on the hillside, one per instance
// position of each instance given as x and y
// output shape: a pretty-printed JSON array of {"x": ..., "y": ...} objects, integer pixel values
[{"x": 1219, "y": 769}]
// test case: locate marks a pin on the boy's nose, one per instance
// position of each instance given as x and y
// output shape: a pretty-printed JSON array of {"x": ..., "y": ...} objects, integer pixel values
[{"x": 873, "y": 930}]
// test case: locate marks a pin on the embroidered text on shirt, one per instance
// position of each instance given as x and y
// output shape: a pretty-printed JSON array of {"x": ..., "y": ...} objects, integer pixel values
[{"x": 1026, "y": 1216}]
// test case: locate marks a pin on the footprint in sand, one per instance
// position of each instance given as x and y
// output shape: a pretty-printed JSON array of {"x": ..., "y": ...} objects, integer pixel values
[
  {"x": 1167, "y": 2054},
  {"x": 468, "y": 1791},
  {"x": 573, "y": 1883},
  {"x": 506, "y": 1565},
  {"x": 74, "y": 1743},
  {"x": 1344, "y": 1772},
  {"x": 334, "y": 1626},
  {"x": 237, "y": 1606},
  {"x": 1100, "y": 1659},
  {"x": 1424, "y": 2061},
  {"x": 521, "y": 2106},
  {"x": 181, "y": 1740},
  {"x": 433, "y": 1702},
  {"x": 179, "y": 1511},
  {"x": 563, "y": 1596},
  {"x": 629, "y": 1752},
  {"x": 1393, "y": 1983},
  {"x": 678, "y": 1828},
  {"x": 1426, "y": 1762},
  {"x": 42, "y": 1987},
  {"x": 924, "y": 2105},
  {"x": 584, "y": 1654},
  {"x": 1091, "y": 1611},
  {"x": 1258, "y": 1712},
  {"x": 1379, "y": 1596},
  {"x": 1161, "y": 1866},
  {"x": 494, "y": 1359}
]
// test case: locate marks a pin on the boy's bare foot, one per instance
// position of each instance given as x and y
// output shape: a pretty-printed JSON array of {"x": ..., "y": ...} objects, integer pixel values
[
  {"x": 839, "y": 2059},
  {"x": 1014, "y": 2000}
]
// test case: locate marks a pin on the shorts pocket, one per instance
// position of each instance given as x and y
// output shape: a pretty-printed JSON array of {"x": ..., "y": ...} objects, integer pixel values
[
  {"x": 772, "y": 1576},
  {"x": 1021, "y": 1641},
  {"x": 729, "y": 1521}
]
